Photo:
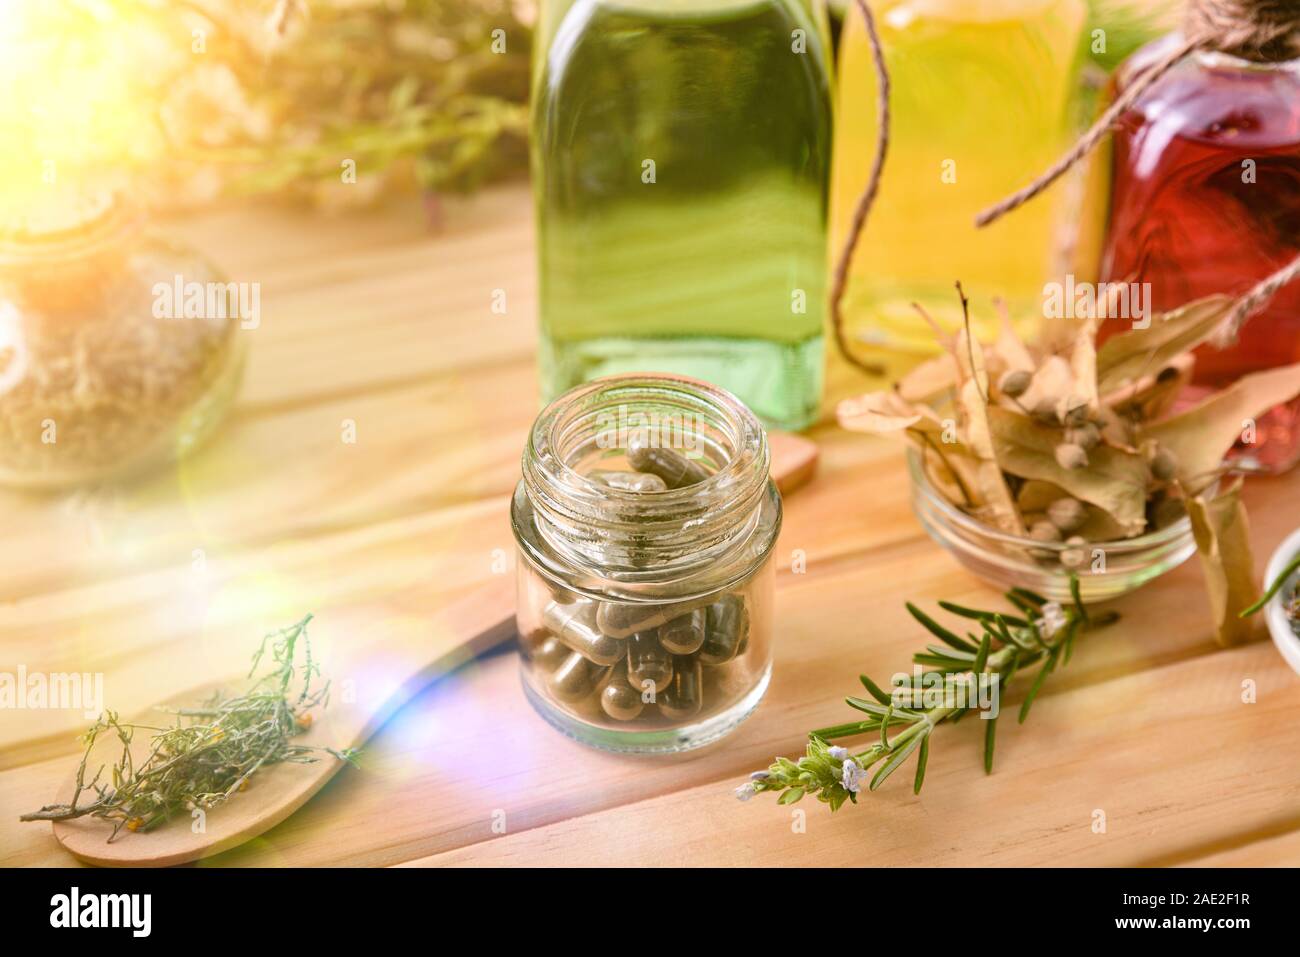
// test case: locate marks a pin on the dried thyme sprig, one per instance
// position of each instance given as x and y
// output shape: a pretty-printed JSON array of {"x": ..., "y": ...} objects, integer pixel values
[
  {"x": 1041, "y": 636},
  {"x": 212, "y": 750}
]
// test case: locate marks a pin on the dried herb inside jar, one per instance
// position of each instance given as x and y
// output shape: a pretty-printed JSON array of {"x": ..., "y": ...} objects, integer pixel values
[{"x": 100, "y": 372}]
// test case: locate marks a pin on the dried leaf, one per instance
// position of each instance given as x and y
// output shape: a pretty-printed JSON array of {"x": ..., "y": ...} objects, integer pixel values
[
  {"x": 1223, "y": 541},
  {"x": 1201, "y": 436},
  {"x": 1052, "y": 381},
  {"x": 1009, "y": 347},
  {"x": 955, "y": 473},
  {"x": 1152, "y": 396},
  {"x": 1035, "y": 496},
  {"x": 1115, "y": 481},
  {"x": 1129, "y": 356},
  {"x": 930, "y": 379},
  {"x": 1083, "y": 364},
  {"x": 878, "y": 413},
  {"x": 972, "y": 397}
]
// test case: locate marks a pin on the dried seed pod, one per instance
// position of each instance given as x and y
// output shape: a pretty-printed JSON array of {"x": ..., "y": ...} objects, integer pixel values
[
  {"x": 1164, "y": 464},
  {"x": 1015, "y": 382},
  {"x": 1071, "y": 456},
  {"x": 1073, "y": 410},
  {"x": 1067, "y": 514},
  {"x": 1045, "y": 412},
  {"x": 1076, "y": 555},
  {"x": 1086, "y": 435},
  {"x": 1044, "y": 531}
]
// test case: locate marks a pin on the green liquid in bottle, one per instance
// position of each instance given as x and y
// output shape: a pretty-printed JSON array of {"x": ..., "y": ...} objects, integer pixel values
[{"x": 680, "y": 159}]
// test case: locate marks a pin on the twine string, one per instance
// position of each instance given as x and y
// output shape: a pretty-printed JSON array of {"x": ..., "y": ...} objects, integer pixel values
[{"x": 840, "y": 280}]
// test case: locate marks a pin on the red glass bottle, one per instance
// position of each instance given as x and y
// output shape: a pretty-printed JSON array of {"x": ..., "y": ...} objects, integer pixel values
[{"x": 1206, "y": 199}]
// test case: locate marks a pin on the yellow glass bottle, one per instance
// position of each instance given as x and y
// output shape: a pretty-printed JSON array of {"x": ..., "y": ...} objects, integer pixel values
[{"x": 983, "y": 98}]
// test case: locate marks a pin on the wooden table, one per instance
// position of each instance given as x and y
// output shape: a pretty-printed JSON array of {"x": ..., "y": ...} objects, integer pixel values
[{"x": 165, "y": 584}]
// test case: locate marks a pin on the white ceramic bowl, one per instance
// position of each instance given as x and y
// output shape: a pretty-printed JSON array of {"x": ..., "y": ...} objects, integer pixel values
[{"x": 1283, "y": 633}]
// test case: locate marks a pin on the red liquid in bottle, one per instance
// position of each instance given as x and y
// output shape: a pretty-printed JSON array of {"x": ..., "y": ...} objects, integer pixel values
[{"x": 1206, "y": 199}]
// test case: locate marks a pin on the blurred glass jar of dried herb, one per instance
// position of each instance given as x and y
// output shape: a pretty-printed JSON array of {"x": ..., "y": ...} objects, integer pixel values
[
  {"x": 645, "y": 521},
  {"x": 119, "y": 350}
]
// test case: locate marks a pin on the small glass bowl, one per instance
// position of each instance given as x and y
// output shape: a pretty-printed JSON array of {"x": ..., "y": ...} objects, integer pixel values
[{"x": 1107, "y": 569}]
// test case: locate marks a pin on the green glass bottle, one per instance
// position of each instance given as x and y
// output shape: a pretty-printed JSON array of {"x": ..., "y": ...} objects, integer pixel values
[{"x": 681, "y": 151}]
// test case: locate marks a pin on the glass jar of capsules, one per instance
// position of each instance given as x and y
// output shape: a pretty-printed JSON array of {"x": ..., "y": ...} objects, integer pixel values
[{"x": 645, "y": 521}]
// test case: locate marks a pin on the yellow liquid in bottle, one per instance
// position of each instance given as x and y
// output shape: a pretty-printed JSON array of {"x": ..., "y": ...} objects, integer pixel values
[{"x": 983, "y": 100}]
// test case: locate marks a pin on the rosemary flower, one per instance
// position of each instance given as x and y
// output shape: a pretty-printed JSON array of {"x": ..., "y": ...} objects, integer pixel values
[
  {"x": 851, "y": 775},
  {"x": 1053, "y": 620}
]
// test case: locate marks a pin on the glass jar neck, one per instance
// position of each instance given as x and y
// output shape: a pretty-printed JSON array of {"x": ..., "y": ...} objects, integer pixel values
[
  {"x": 64, "y": 250},
  {"x": 646, "y": 541}
]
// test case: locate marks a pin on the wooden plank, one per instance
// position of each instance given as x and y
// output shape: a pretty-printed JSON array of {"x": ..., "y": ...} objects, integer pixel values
[
  {"x": 363, "y": 301},
  {"x": 371, "y": 319},
  {"x": 1281, "y": 850},
  {"x": 472, "y": 745},
  {"x": 1168, "y": 758},
  {"x": 141, "y": 630}
]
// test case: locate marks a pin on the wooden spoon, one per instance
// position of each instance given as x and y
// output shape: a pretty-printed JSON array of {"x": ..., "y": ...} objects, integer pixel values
[{"x": 376, "y": 664}]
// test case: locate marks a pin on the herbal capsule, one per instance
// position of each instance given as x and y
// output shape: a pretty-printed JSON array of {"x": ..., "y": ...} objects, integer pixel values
[
  {"x": 684, "y": 634},
  {"x": 726, "y": 629},
  {"x": 647, "y": 661},
  {"x": 629, "y": 481},
  {"x": 576, "y": 678},
  {"x": 675, "y": 469},
  {"x": 551, "y": 653},
  {"x": 622, "y": 620},
  {"x": 685, "y": 693},
  {"x": 619, "y": 699},
  {"x": 574, "y": 626}
]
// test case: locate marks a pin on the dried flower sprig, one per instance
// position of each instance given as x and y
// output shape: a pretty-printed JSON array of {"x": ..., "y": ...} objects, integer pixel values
[
  {"x": 211, "y": 752},
  {"x": 1041, "y": 636}
]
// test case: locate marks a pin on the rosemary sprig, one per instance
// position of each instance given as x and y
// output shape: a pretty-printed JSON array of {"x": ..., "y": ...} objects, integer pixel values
[
  {"x": 1282, "y": 578},
  {"x": 210, "y": 753},
  {"x": 1041, "y": 637}
]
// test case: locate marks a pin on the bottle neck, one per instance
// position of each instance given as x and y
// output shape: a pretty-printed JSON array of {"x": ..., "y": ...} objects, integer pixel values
[
  {"x": 1261, "y": 31},
  {"x": 657, "y": 543},
  {"x": 61, "y": 247}
]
